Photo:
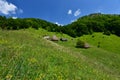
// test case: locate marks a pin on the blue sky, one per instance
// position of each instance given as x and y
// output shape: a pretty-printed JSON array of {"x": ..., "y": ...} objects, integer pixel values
[{"x": 57, "y": 11}]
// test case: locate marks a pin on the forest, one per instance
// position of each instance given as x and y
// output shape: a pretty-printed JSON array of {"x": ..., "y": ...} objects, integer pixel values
[{"x": 96, "y": 22}]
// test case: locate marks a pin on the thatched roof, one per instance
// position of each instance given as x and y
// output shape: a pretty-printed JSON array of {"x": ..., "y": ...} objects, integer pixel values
[
  {"x": 47, "y": 37},
  {"x": 86, "y": 45},
  {"x": 63, "y": 39},
  {"x": 54, "y": 38}
]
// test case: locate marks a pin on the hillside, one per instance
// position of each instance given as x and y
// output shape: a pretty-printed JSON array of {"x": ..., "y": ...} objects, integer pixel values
[
  {"x": 96, "y": 22},
  {"x": 25, "y": 55}
]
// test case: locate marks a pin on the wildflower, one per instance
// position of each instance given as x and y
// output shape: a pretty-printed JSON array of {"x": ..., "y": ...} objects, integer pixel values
[
  {"x": 3, "y": 41},
  {"x": 8, "y": 77},
  {"x": 41, "y": 76},
  {"x": 32, "y": 60}
]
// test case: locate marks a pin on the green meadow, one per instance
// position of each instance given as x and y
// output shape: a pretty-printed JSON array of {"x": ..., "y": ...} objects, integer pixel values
[{"x": 25, "y": 55}]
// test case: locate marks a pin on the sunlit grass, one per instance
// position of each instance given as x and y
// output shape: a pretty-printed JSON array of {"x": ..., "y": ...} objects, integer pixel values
[
  {"x": 108, "y": 54},
  {"x": 25, "y": 55}
]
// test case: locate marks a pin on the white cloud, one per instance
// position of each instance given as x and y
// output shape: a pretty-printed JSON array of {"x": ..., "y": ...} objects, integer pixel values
[
  {"x": 14, "y": 17},
  {"x": 73, "y": 20},
  {"x": 8, "y": 8},
  {"x": 77, "y": 13},
  {"x": 70, "y": 11},
  {"x": 99, "y": 10},
  {"x": 58, "y": 24}
]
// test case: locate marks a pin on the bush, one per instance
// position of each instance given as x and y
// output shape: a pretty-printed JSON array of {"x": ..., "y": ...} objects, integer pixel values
[
  {"x": 93, "y": 36},
  {"x": 107, "y": 33},
  {"x": 80, "y": 44}
]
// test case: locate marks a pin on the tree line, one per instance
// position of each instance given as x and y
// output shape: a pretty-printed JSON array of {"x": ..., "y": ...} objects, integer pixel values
[
  {"x": 97, "y": 22},
  {"x": 24, "y": 23}
]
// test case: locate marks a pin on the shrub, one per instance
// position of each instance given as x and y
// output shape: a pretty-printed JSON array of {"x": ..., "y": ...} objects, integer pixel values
[
  {"x": 80, "y": 44},
  {"x": 98, "y": 44},
  {"x": 93, "y": 36},
  {"x": 107, "y": 33}
]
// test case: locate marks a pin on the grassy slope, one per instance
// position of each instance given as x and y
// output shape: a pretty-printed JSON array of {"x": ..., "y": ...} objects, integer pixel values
[
  {"x": 24, "y": 54},
  {"x": 107, "y": 55}
]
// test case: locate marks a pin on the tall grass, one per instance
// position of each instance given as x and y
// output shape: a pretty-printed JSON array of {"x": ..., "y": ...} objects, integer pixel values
[
  {"x": 25, "y": 55},
  {"x": 106, "y": 57}
]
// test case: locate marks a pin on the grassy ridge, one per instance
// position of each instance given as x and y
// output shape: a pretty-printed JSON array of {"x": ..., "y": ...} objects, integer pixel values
[
  {"x": 25, "y": 55},
  {"x": 107, "y": 55}
]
